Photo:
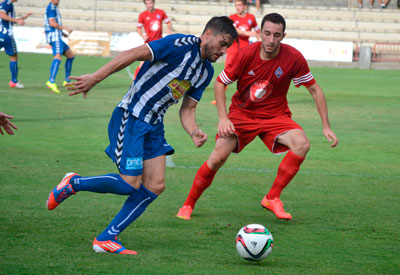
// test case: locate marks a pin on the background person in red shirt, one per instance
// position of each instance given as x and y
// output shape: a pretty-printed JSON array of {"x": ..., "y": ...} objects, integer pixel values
[
  {"x": 263, "y": 71},
  {"x": 151, "y": 20},
  {"x": 246, "y": 26}
]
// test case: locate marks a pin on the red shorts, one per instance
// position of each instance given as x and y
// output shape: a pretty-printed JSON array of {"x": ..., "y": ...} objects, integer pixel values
[{"x": 267, "y": 129}]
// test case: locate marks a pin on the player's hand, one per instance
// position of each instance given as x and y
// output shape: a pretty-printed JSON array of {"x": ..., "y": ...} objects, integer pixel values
[
  {"x": 20, "y": 21},
  {"x": 225, "y": 128},
  {"x": 6, "y": 124},
  {"x": 26, "y": 15},
  {"x": 331, "y": 137},
  {"x": 82, "y": 84},
  {"x": 199, "y": 137},
  {"x": 69, "y": 30}
]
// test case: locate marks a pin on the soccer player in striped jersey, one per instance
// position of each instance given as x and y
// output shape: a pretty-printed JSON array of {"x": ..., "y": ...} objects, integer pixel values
[
  {"x": 176, "y": 67},
  {"x": 7, "y": 41},
  {"x": 54, "y": 33},
  {"x": 263, "y": 71}
]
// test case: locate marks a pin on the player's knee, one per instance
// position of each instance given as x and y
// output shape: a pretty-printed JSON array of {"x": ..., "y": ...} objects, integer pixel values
[
  {"x": 157, "y": 187},
  {"x": 216, "y": 161},
  {"x": 302, "y": 146}
]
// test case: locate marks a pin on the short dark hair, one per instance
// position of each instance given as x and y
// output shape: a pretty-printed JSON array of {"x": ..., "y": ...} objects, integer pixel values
[
  {"x": 244, "y": 2},
  {"x": 222, "y": 25},
  {"x": 275, "y": 18},
  {"x": 144, "y": 1}
]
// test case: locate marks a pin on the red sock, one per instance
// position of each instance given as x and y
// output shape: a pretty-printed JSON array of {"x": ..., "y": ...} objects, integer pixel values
[
  {"x": 201, "y": 182},
  {"x": 288, "y": 168}
]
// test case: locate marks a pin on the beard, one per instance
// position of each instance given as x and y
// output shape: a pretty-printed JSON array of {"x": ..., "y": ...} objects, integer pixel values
[{"x": 208, "y": 52}]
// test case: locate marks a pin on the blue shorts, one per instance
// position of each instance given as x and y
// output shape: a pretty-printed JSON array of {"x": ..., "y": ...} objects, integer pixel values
[
  {"x": 133, "y": 140},
  {"x": 59, "y": 47},
  {"x": 8, "y": 42}
]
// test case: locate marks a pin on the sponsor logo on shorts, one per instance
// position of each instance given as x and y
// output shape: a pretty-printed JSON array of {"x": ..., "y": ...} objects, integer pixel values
[{"x": 134, "y": 163}]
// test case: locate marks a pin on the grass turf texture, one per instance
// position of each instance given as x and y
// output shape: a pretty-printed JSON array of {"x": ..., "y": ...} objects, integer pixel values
[{"x": 345, "y": 201}]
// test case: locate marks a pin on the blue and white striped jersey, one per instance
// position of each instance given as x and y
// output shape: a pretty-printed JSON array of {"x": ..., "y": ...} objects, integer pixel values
[
  {"x": 176, "y": 70},
  {"x": 6, "y": 27},
  {"x": 52, "y": 34}
]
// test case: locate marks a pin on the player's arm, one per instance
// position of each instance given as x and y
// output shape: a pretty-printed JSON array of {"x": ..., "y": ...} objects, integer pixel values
[
  {"x": 258, "y": 34},
  {"x": 4, "y": 16},
  {"x": 141, "y": 33},
  {"x": 169, "y": 27},
  {"x": 320, "y": 101},
  {"x": 84, "y": 83},
  {"x": 225, "y": 126},
  {"x": 187, "y": 114},
  {"x": 26, "y": 15},
  {"x": 53, "y": 23}
]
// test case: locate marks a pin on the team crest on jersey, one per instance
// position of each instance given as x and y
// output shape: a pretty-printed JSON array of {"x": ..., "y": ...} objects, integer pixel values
[
  {"x": 179, "y": 88},
  {"x": 155, "y": 25},
  {"x": 260, "y": 90},
  {"x": 278, "y": 72}
]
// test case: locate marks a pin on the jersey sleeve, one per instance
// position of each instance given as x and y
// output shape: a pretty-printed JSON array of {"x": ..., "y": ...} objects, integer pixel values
[
  {"x": 254, "y": 24},
  {"x": 6, "y": 7},
  {"x": 164, "y": 49},
  {"x": 164, "y": 17},
  {"x": 51, "y": 13},
  {"x": 302, "y": 75},
  {"x": 231, "y": 71},
  {"x": 140, "y": 22}
]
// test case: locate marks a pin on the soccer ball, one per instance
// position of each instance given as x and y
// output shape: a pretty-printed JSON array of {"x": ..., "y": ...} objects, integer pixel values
[{"x": 254, "y": 242}]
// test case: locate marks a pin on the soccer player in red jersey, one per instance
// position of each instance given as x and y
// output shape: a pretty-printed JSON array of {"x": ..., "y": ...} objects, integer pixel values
[
  {"x": 246, "y": 26},
  {"x": 263, "y": 71},
  {"x": 151, "y": 20}
]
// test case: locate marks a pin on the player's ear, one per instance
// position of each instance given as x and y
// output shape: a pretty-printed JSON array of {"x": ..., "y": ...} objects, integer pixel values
[
  {"x": 283, "y": 36},
  {"x": 209, "y": 32}
]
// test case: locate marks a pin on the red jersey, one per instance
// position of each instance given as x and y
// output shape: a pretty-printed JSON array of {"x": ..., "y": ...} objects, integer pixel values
[
  {"x": 262, "y": 85},
  {"x": 152, "y": 23},
  {"x": 246, "y": 23}
]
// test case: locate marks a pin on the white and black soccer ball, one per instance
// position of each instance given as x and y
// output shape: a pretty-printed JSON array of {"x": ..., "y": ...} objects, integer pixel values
[{"x": 254, "y": 242}]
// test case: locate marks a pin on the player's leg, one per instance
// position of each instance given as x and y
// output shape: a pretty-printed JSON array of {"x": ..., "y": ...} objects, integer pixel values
[
  {"x": 153, "y": 185},
  {"x": 10, "y": 48},
  {"x": 298, "y": 145},
  {"x": 110, "y": 183},
  {"x": 68, "y": 63},
  {"x": 294, "y": 139},
  {"x": 57, "y": 48},
  {"x": 14, "y": 72},
  {"x": 72, "y": 183},
  {"x": 135, "y": 205},
  {"x": 142, "y": 160},
  {"x": 206, "y": 173}
]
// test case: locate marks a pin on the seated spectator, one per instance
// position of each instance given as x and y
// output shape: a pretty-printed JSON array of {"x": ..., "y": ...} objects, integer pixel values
[
  {"x": 382, "y": 3},
  {"x": 258, "y": 5},
  {"x": 360, "y": 3}
]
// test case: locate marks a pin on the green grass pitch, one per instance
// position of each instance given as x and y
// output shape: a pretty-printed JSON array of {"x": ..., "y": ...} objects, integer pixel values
[{"x": 345, "y": 201}]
